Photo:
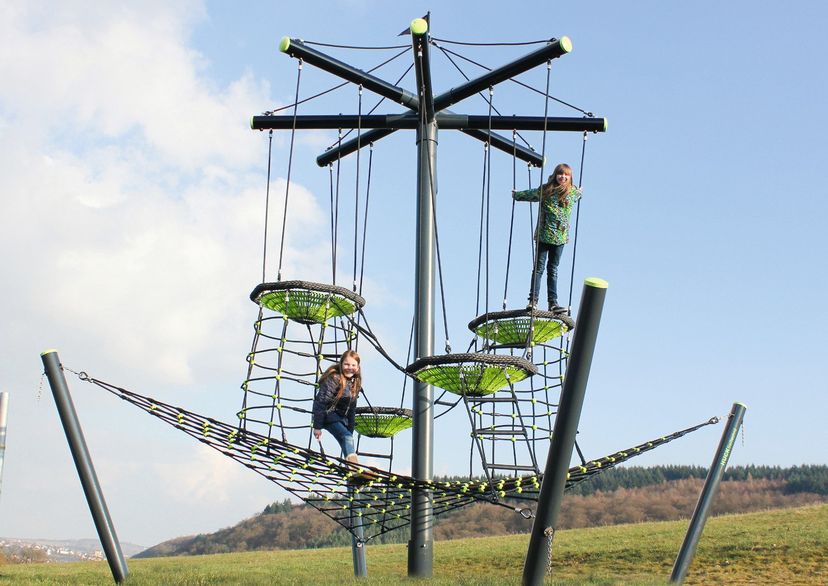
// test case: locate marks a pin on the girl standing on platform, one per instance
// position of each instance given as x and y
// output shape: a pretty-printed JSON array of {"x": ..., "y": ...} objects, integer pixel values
[
  {"x": 557, "y": 197},
  {"x": 335, "y": 402}
]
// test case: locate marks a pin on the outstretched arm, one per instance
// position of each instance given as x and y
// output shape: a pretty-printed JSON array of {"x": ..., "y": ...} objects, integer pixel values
[{"x": 527, "y": 195}]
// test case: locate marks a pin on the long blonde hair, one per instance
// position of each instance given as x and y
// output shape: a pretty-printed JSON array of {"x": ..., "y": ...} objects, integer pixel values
[
  {"x": 336, "y": 369},
  {"x": 554, "y": 189}
]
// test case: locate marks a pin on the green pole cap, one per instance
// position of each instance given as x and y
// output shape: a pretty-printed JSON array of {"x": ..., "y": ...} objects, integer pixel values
[
  {"x": 284, "y": 44},
  {"x": 419, "y": 26},
  {"x": 251, "y": 123},
  {"x": 50, "y": 351},
  {"x": 596, "y": 282},
  {"x": 566, "y": 44},
  {"x": 606, "y": 124}
]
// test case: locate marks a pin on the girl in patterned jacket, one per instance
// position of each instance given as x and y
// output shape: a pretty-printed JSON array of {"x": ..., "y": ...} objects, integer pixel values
[
  {"x": 557, "y": 197},
  {"x": 335, "y": 402}
]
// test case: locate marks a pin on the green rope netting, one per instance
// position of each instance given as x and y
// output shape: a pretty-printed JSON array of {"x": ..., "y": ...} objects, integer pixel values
[
  {"x": 519, "y": 328},
  {"x": 382, "y": 422},
  {"x": 471, "y": 374},
  {"x": 307, "y": 302},
  {"x": 344, "y": 491}
]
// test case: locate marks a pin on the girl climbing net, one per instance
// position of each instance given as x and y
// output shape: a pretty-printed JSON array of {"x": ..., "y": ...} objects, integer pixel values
[{"x": 335, "y": 402}]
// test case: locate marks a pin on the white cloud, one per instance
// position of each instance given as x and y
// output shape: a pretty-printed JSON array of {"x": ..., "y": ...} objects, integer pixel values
[
  {"x": 132, "y": 219},
  {"x": 207, "y": 477},
  {"x": 140, "y": 189}
]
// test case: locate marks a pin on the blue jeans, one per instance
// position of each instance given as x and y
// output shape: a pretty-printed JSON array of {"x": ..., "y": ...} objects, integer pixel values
[
  {"x": 550, "y": 255},
  {"x": 343, "y": 436}
]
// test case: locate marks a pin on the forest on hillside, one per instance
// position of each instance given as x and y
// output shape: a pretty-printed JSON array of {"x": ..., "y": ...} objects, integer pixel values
[{"x": 621, "y": 495}]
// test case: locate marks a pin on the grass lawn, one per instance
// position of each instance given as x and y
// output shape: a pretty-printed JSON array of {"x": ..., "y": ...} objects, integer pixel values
[{"x": 781, "y": 546}]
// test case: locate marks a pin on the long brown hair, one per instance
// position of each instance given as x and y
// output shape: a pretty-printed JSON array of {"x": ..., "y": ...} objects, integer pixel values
[
  {"x": 554, "y": 189},
  {"x": 336, "y": 369}
]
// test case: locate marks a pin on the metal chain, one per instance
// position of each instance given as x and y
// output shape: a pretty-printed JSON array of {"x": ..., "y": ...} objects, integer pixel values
[
  {"x": 743, "y": 433},
  {"x": 40, "y": 386},
  {"x": 549, "y": 532}
]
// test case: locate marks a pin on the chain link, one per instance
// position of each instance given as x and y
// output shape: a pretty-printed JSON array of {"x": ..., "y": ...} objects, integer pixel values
[{"x": 549, "y": 532}]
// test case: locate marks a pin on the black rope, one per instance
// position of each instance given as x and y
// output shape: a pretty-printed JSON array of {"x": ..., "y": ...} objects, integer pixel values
[
  {"x": 500, "y": 44},
  {"x": 511, "y": 219},
  {"x": 320, "y": 44},
  {"x": 356, "y": 186},
  {"x": 377, "y": 105},
  {"x": 365, "y": 218},
  {"x": 335, "y": 210},
  {"x": 267, "y": 205},
  {"x": 488, "y": 184},
  {"x": 527, "y": 86},
  {"x": 334, "y": 88},
  {"x": 364, "y": 231},
  {"x": 480, "y": 231},
  {"x": 467, "y": 78},
  {"x": 290, "y": 167},
  {"x": 577, "y": 218},
  {"x": 331, "y": 197}
]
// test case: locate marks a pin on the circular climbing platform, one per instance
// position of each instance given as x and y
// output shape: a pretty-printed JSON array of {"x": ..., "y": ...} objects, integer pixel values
[
  {"x": 519, "y": 328},
  {"x": 471, "y": 374},
  {"x": 382, "y": 421},
  {"x": 307, "y": 302}
]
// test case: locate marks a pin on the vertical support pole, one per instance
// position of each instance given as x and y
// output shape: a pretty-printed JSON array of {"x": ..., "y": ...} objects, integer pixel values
[
  {"x": 357, "y": 541},
  {"x": 83, "y": 462},
  {"x": 708, "y": 493},
  {"x": 4, "y": 414},
  {"x": 420, "y": 546},
  {"x": 563, "y": 435},
  {"x": 420, "y": 552}
]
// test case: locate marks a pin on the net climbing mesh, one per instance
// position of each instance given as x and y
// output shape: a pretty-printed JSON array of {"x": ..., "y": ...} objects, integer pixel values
[
  {"x": 296, "y": 337},
  {"x": 379, "y": 500}
]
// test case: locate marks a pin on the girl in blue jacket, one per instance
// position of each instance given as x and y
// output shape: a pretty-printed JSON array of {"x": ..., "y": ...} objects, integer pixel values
[{"x": 335, "y": 402}]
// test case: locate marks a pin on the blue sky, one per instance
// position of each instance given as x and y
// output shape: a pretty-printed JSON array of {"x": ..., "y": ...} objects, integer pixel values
[{"x": 133, "y": 196}]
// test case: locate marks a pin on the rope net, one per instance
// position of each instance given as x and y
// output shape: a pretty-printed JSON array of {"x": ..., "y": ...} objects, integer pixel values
[{"x": 348, "y": 493}]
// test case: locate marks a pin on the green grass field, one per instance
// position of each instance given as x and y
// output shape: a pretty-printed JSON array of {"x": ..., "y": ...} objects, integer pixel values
[{"x": 781, "y": 546}]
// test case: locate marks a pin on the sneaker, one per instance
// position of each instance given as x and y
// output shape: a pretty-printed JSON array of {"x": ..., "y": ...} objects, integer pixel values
[{"x": 533, "y": 305}]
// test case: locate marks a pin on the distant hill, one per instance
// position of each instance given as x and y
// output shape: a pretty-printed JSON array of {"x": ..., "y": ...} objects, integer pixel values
[
  {"x": 59, "y": 550},
  {"x": 620, "y": 495}
]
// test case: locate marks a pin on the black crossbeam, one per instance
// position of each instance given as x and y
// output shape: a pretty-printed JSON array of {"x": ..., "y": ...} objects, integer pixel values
[
  {"x": 297, "y": 49},
  {"x": 554, "y": 49},
  {"x": 446, "y": 121}
]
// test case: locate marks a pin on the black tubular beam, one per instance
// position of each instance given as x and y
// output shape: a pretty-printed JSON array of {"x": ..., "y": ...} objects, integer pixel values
[
  {"x": 297, "y": 49},
  {"x": 421, "y": 544},
  {"x": 564, "y": 124},
  {"x": 711, "y": 485},
  {"x": 505, "y": 145},
  {"x": 553, "y": 50},
  {"x": 539, "y": 554},
  {"x": 444, "y": 120},
  {"x": 83, "y": 463},
  {"x": 323, "y": 121},
  {"x": 353, "y": 145}
]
